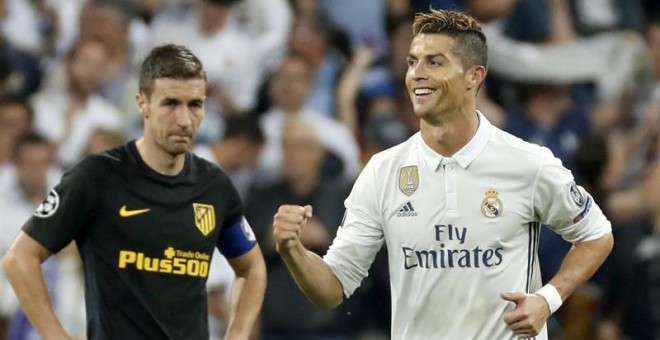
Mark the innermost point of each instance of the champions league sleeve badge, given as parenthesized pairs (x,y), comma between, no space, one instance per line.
(49,206)
(247,230)
(492,206)
(576,195)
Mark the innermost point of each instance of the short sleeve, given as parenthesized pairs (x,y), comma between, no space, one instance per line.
(63,213)
(567,208)
(236,235)
(360,236)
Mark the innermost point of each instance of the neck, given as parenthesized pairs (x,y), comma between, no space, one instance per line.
(77,98)
(450,132)
(656,222)
(158,159)
(291,111)
(303,185)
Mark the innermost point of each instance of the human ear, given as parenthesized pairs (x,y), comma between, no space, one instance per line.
(475,76)
(142,103)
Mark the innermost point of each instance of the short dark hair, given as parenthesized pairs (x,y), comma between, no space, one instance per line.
(169,61)
(469,41)
(19,100)
(245,125)
(30,138)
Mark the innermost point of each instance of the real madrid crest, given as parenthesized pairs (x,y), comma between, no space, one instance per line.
(408,179)
(492,205)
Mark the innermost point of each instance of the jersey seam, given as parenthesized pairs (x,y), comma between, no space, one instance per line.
(534,186)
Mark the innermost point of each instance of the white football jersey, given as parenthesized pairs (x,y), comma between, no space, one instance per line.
(459,230)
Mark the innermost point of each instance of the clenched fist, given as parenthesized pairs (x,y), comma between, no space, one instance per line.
(288,224)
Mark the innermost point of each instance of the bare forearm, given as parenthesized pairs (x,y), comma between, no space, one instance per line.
(247,295)
(562,24)
(246,304)
(314,277)
(349,86)
(581,263)
(26,278)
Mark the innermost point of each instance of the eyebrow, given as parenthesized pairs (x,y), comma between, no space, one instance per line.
(178,100)
(428,56)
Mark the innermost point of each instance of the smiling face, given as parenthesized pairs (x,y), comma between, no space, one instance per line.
(435,78)
(172,113)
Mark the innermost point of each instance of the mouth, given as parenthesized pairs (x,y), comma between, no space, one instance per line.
(181,136)
(422,92)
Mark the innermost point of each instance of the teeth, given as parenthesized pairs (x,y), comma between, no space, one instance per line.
(423,91)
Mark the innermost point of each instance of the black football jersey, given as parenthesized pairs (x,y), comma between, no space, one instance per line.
(145,240)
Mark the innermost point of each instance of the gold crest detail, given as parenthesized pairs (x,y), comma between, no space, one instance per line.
(204,217)
(408,179)
(492,205)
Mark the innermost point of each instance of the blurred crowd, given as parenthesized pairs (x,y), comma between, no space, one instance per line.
(302,93)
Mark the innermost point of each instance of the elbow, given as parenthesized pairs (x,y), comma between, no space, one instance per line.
(332,297)
(608,242)
(328,304)
(9,263)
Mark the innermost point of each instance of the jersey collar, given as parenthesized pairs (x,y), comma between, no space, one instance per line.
(465,155)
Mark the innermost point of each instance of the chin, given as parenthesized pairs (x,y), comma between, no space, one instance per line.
(422,112)
(176,149)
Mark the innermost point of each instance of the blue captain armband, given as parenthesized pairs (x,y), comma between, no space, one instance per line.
(237,239)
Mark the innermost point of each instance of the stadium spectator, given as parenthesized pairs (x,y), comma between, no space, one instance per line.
(290,88)
(67,115)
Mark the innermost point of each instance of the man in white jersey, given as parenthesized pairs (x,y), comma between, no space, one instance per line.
(459,206)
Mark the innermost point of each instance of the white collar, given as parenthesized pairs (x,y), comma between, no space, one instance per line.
(465,155)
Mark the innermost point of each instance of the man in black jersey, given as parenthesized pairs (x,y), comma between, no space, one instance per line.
(146,218)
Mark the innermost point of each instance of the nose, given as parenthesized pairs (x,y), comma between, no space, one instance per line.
(417,71)
(183,117)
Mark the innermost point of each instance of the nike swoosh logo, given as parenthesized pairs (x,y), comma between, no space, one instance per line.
(123,212)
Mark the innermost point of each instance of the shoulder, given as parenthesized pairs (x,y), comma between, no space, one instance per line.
(95,164)
(208,170)
(396,155)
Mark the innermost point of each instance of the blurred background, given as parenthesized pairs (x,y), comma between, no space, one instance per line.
(302,93)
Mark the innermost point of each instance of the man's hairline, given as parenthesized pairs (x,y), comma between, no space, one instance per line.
(148,95)
(452,49)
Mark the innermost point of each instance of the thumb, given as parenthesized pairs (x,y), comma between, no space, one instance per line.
(514,297)
(307,212)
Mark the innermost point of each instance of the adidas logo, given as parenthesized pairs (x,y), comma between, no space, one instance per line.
(406,210)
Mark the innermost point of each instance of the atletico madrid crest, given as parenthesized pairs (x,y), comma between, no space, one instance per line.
(204,217)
